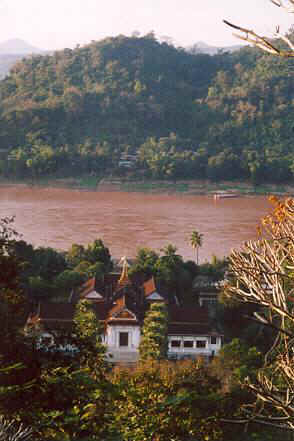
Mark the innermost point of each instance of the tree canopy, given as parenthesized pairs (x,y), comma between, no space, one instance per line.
(179,115)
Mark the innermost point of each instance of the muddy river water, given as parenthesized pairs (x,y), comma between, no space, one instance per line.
(126,221)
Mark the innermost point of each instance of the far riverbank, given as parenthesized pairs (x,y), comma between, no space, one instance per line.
(190,187)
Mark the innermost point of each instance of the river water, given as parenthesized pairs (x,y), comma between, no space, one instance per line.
(126,221)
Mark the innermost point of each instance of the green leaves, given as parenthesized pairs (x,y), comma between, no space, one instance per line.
(166,401)
(159,101)
(154,342)
(88,332)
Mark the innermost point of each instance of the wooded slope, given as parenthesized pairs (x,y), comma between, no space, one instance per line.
(223,116)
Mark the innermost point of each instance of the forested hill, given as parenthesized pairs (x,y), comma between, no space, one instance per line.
(223,116)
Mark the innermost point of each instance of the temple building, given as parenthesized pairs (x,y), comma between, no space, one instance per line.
(120,305)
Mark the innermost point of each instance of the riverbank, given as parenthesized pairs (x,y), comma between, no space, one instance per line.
(197,187)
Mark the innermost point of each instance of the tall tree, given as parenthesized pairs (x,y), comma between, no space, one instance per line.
(12,301)
(170,255)
(88,332)
(154,342)
(196,240)
(9,263)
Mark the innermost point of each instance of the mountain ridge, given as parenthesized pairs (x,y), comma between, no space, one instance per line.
(204,48)
(16,46)
(13,50)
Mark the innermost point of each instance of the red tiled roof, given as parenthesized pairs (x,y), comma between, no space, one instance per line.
(62,314)
(189,321)
(190,329)
(119,304)
(188,314)
(182,321)
(57,325)
(65,311)
(57,311)
(88,286)
(149,287)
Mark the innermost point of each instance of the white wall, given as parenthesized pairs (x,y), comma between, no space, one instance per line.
(119,353)
(209,349)
(130,353)
(112,336)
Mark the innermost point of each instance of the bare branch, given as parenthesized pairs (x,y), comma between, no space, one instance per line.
(263,275)
(281,4)
(284,38)
(257,40)
(262,320)
(262,42)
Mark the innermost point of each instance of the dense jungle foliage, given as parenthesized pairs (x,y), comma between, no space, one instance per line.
(183,115)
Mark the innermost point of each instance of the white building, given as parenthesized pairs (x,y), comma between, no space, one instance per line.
(121,306)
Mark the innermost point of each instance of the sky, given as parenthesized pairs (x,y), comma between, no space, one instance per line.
(56,24)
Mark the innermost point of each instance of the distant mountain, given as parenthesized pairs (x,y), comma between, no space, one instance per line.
(12,51)
(6,63)
(18,47)
(203,48)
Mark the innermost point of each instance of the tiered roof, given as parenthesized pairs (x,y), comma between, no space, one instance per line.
(89,292)
(116,301)
(150,291)
(189,321)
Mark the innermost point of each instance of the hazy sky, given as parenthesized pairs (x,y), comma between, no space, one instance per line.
(55,24)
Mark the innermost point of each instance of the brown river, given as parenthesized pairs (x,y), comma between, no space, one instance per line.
(127,221)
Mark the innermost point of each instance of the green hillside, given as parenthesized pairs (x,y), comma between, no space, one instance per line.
(184,115)
(6,63)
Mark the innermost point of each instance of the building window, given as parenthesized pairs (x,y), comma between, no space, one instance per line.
(124,339)
(188,343)
(175,343)
(213,340)
(201,344)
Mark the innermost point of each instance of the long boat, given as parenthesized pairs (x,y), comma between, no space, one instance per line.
(225,194)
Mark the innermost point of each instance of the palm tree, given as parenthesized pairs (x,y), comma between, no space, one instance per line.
(169,250)
(196,240)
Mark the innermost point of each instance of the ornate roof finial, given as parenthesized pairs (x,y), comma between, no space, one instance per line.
(124,278)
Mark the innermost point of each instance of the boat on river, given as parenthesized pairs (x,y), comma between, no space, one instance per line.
(225,195)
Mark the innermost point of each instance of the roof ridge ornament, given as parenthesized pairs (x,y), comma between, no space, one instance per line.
(124,278)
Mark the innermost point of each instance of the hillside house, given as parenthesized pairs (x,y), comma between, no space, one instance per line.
(127,160)
(207,291)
